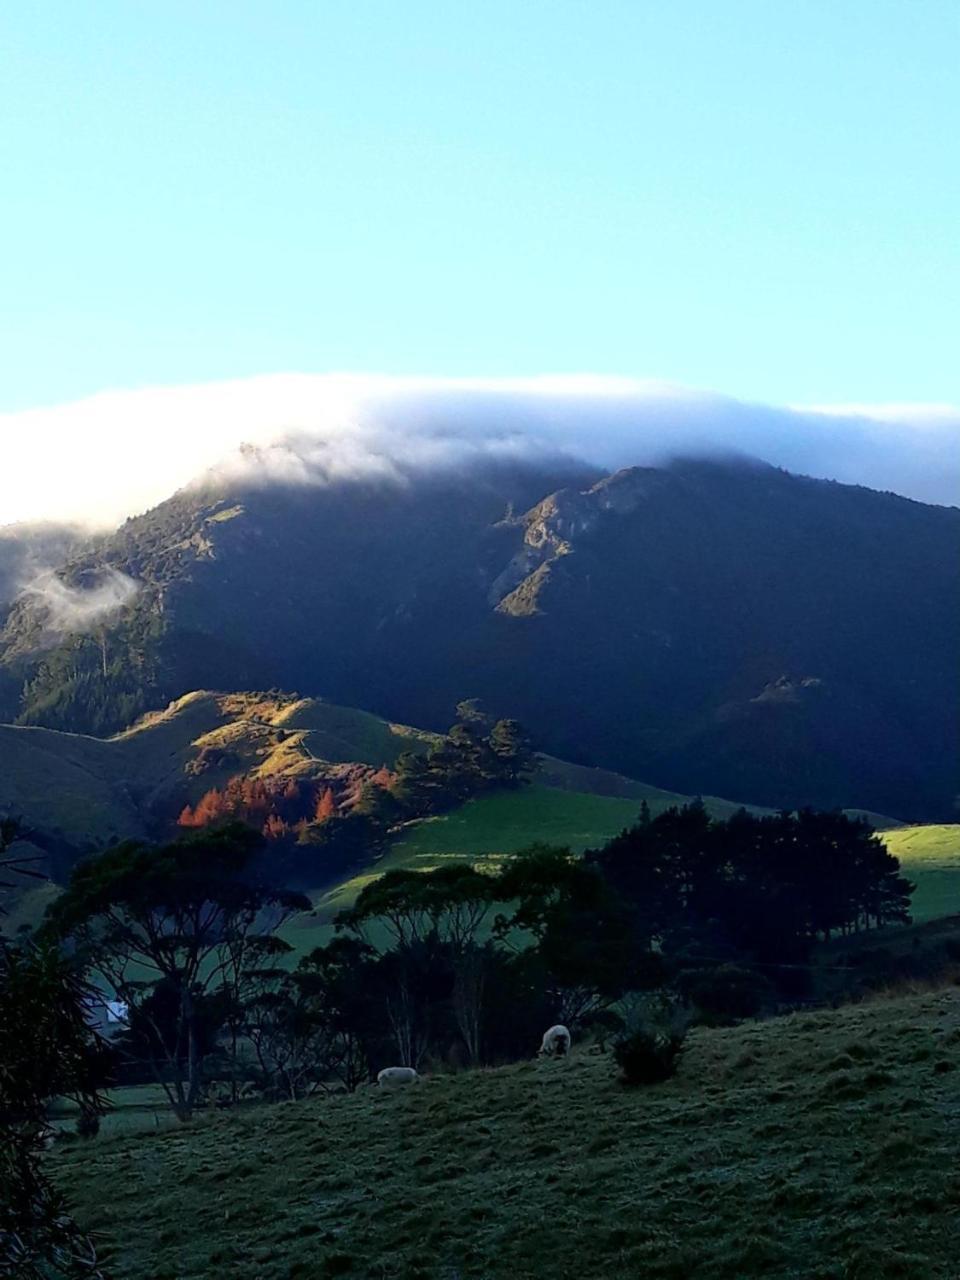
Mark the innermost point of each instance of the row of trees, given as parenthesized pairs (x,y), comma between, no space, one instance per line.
(284,808)
(430,964)
(476,755)
(457,964)
(760,887)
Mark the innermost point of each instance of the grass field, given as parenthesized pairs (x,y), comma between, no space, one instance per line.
(482,830)
(502,823)
(930,857)
(138,1108)
(814,1146)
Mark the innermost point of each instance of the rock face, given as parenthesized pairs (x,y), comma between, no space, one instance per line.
(715,627)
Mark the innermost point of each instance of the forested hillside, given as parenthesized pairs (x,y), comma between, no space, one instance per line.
(708,627)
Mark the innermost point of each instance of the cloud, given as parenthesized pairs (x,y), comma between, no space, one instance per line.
(27,550)
(67,608)
(118,453)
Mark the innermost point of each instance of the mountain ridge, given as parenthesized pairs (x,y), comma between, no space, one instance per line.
(713,626)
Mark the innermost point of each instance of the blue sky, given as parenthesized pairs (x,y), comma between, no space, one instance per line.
(760,197)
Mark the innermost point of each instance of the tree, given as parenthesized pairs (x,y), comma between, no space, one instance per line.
(416,787)
(764,887)
(326,807)
(446,909)
(512,753)
(184,913)
(585,939)
(378,803)
(47,1049)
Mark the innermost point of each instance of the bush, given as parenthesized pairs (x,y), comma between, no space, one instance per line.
(648,1057)
(727,993)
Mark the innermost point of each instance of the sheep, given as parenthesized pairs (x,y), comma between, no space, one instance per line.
(556,1042)
(396,1077)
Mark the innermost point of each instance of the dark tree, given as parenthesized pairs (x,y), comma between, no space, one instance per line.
(47,1050)
(184,915)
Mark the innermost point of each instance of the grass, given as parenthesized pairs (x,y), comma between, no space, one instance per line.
(817,1145)
(492,826)
(91,790)
(132,1109)
(930,856)
(483,830)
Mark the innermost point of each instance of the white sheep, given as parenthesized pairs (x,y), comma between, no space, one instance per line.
(396,1077)
(556,1042)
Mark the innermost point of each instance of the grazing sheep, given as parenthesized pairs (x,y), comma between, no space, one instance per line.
(556,1042)
(396,1077)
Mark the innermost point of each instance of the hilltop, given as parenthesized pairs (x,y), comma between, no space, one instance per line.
(88,791)
(819,1144)
(715,627)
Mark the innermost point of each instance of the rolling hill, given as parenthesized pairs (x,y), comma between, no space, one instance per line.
(80,793)
(820,1144)
(713,627)
(89,791)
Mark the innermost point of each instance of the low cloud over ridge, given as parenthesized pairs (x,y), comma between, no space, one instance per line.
(118,453)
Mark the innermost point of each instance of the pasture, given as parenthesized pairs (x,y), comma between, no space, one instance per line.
(930,857)
(815,1145)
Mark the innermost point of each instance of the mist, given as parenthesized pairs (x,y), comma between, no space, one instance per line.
(118,453)
(65,608)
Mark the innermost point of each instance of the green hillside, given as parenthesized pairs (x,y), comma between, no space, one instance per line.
(89,791)
(817,1145)
(491,826)
(930,856)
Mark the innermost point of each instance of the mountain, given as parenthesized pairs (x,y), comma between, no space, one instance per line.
(712,626)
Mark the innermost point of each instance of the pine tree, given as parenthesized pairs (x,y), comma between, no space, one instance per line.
(512,751)
(326,807)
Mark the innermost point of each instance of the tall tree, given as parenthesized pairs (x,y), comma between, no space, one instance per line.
(182,914)
(47,1049)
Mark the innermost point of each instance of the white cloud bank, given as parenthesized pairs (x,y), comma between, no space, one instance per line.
(118,453)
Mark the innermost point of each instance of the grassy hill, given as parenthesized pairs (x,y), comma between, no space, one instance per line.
(930,856)
(492,826)
(89,791)
(817,1145)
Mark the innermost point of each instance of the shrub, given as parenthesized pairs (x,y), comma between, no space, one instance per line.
(648,1057)
(727,993)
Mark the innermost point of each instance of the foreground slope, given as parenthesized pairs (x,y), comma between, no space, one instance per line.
(821,1144)
(725,628)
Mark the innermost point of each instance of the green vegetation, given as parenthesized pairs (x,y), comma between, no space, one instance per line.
(504,822)
(819,1144)
(930,857)
(87,791)
(483,830)
(47,1050)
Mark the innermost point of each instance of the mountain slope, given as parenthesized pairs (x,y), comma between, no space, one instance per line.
(712,627)
(88,791)
(819,1144)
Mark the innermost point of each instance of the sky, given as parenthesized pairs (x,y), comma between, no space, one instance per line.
(756,198)
(755,202)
